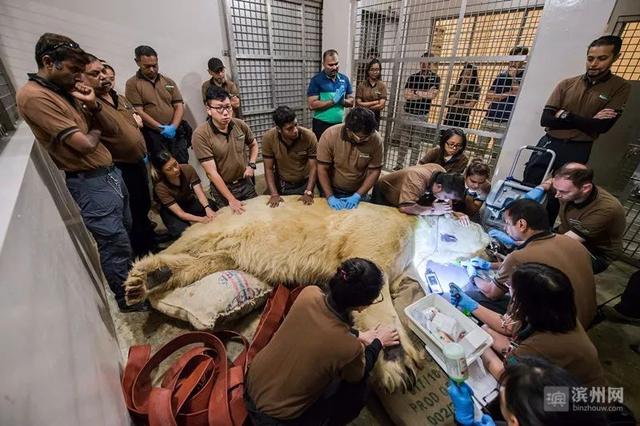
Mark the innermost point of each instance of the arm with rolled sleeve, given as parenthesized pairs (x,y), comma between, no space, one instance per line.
(496,288)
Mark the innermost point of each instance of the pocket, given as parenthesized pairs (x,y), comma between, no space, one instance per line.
(363,161)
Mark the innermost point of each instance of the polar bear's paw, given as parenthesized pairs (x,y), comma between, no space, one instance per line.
(397,368)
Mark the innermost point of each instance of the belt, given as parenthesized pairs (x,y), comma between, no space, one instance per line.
(566,140)
(237,181)
(90,173)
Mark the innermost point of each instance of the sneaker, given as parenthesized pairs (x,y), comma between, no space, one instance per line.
(138,307)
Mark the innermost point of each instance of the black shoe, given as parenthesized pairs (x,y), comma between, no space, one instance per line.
(138,307)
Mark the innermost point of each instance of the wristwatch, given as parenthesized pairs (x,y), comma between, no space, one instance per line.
(564,115)
(309,193)
(252,165)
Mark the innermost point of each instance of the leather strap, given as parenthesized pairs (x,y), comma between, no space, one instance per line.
(201,388)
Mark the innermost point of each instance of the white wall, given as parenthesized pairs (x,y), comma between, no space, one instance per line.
(337,32)
(565,30)
(185,35)
(59,356)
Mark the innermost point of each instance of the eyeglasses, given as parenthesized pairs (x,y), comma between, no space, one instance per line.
(357,138)
(67,44)
(453,145)
(221,109)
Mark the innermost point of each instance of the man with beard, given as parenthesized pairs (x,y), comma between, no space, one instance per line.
(578,111)
(128,150)
(220,144)
(159,102)
(68,121)
(219,79)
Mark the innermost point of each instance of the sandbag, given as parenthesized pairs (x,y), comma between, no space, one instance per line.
(218,297)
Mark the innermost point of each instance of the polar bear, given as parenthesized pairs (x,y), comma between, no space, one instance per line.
(297,244)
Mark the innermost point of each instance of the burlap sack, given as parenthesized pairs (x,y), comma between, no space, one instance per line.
(428,402)
(221,296)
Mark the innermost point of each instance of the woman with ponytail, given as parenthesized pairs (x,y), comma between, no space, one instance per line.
(314,371)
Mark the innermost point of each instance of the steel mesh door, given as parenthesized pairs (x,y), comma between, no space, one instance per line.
(275,50)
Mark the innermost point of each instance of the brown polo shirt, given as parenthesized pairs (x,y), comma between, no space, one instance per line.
(226,149)
(157,98)
(563,253)
(229,86)
(350,161)
(127,146)
(169,194)
(312,348)
(456,164)
(53,118)
(405,187)
(367,93)
(292,161)
(585,98)
(572,351)
(600,221)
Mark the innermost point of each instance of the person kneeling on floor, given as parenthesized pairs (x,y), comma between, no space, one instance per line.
(323,364)
(178,190)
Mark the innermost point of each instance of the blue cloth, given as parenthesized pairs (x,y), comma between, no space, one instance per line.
(325,88)
(104,207)
(501,111)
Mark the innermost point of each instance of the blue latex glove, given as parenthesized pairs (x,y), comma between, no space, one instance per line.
(477,262)
(335,203)
(352,202)
(536,194)
(339,94)
(460,300)
(462,403)
(486,420)
(168,131)
(501,236)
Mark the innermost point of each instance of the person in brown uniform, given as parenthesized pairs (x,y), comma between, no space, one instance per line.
(220,144)
(425,189)
(128,150)
(350,159)
(68,121)
(578,111)
(526,221)
(372,92)
(178,190)
(159,102)
(289,153)
(589,214)
(450,153)
(323,363)
(219,78)
(542,322)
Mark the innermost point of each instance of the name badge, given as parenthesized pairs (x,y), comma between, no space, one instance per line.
(603,97)
(169,87)
(301,152)
(362,155)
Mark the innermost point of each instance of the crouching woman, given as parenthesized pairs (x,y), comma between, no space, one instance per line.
(315,369)
(178,190)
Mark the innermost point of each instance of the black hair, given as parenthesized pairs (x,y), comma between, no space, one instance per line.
(360,120)
(452,183)
(525,382)
(158,160)
(543,298)
(93,58)
(144,51)
(519,50)
(283,115)
(357,282)
(473,82)
(427,54)
(109,67)
(577,175)
(214,64)
(445,136)
(369,65)
(59,48)
(329,52)
(477,167)
(608,40)
(531,211)
(215,93)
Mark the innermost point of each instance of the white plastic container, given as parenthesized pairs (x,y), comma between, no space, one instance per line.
(475,341)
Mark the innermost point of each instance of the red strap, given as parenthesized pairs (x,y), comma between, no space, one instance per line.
(201,388)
